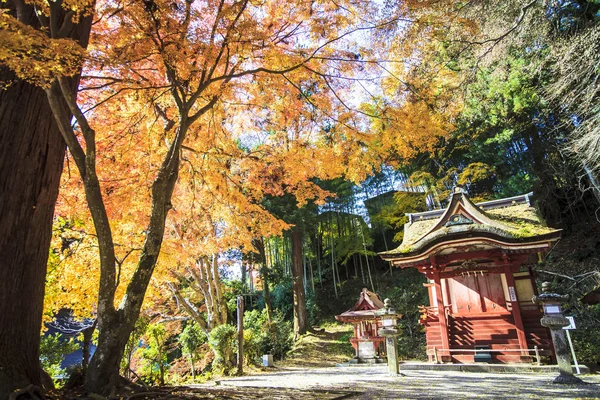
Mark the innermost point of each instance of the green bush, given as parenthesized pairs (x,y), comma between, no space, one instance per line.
(315,314)
(190,339)
(346,337)
(260,337)
(154,355)
(412,348)
(586,338)
(53,349)
(222,341)
(252,347)
(282,299)
(132,345)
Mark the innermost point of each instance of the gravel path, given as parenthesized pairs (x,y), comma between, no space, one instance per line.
(374,382)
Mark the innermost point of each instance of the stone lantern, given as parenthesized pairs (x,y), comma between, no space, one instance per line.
(555,320)
(389,330)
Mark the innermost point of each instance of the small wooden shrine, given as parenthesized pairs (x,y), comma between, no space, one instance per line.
(368,345)
(477,258)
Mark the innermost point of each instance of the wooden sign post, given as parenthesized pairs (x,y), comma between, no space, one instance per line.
(568,328)
(240,326)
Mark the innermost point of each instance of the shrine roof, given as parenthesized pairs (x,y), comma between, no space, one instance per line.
(509,220)
(364,309)
(357,316)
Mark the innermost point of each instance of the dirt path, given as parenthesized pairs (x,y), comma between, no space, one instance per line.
(375,383)
(310,373)
(323,348)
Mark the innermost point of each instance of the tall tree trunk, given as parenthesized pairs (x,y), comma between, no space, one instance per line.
(304,273)
(103,370)
(318,252)
(244,278)
(546,191)
(267,295)
(259,245)
(367,258)
(333,266)
(192,368)
(312,275)
(221,305)
(31,162)
(362,270)
(116,324)
(300,316)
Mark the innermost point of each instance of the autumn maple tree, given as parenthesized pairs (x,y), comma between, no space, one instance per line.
(189,113)
(242,92)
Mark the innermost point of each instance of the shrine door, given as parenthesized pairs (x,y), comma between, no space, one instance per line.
(476,293)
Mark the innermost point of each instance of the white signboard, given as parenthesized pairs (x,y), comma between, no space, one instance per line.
(512,294)
(551,309)
(572,323)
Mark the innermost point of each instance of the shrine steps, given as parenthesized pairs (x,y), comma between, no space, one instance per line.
(535,333)
(498,332)
(494,330)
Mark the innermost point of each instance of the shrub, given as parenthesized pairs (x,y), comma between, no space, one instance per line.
(315,314)
(260,337)
(53,349)
(154,354)
(282,299)
(586,338)
(190,339)
(223,344)
(132,345)
(410,348)
(252,346)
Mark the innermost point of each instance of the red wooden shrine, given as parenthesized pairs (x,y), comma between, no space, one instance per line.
(368,345)
(477,259)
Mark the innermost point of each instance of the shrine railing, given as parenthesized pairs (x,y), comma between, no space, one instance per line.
(428,312)
(536,351)
(366,337)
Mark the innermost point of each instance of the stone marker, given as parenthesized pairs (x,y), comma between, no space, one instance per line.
(267,360)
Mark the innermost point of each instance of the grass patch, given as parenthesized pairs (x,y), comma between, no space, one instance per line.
(325,347)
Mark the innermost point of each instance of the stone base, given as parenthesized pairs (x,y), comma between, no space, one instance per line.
(363,360)
(491,368)
(567,380)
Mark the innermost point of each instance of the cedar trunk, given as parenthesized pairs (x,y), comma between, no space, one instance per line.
(31,162)
(300,316)
(267,294)
(259,244)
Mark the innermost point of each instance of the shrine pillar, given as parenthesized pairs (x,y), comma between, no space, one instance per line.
(443,321)
(516,309)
